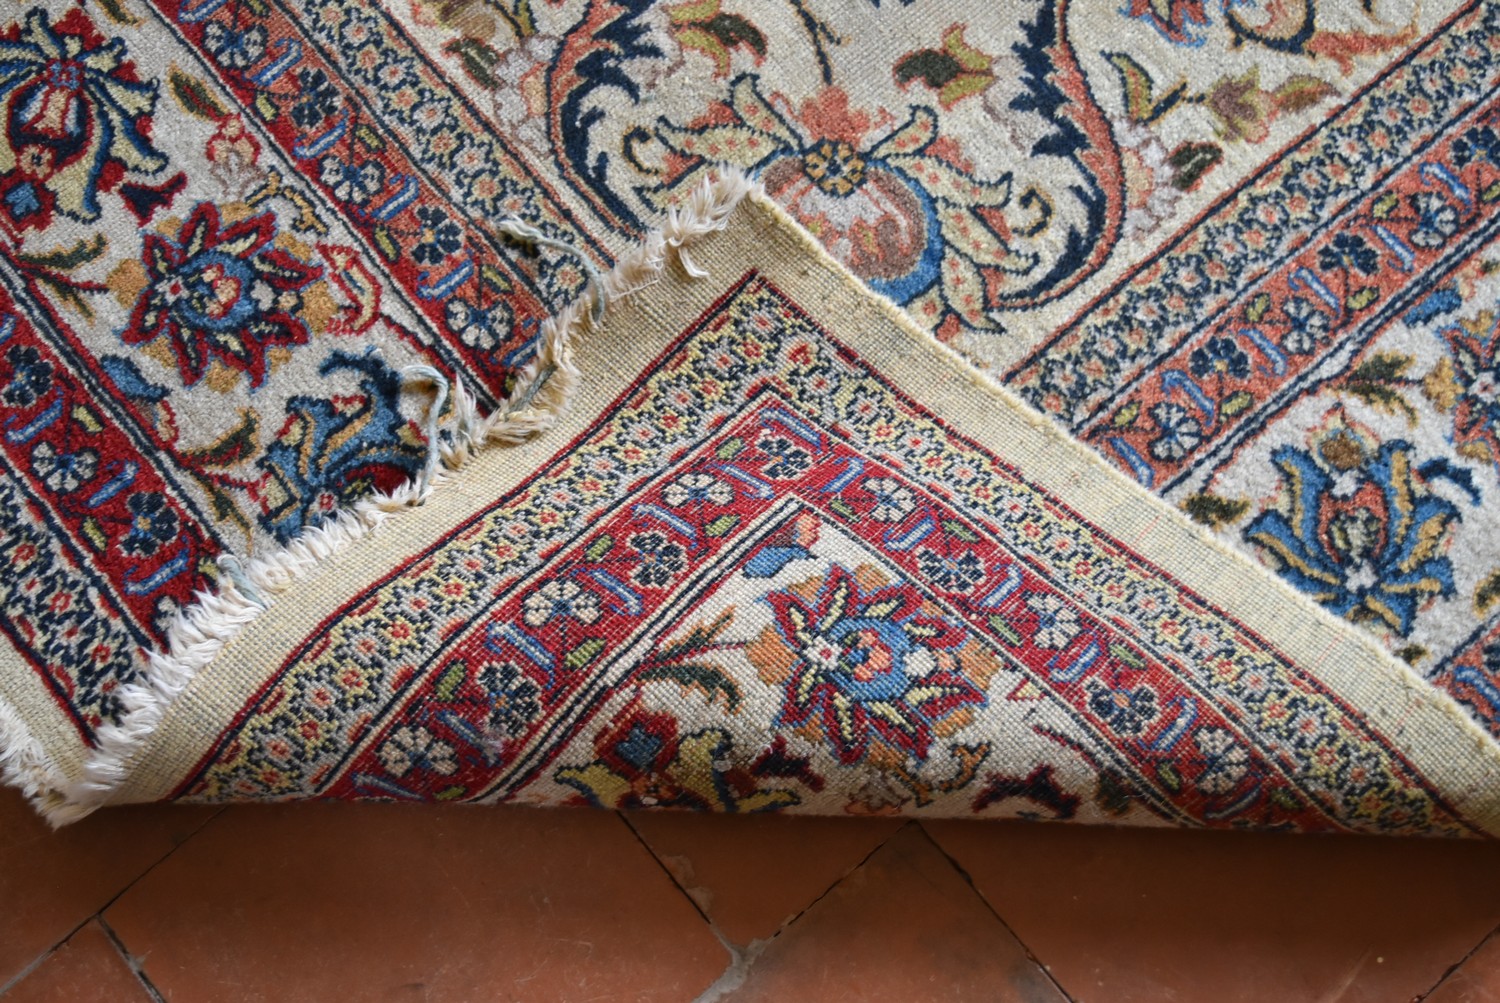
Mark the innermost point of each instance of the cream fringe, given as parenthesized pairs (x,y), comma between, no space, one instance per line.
(544,389)
(24,763)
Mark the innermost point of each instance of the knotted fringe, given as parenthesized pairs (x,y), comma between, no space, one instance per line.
(543,389)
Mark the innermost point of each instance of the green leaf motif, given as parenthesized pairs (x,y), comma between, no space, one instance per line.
(80,253)
(369,137)
(708,679)
(959,531)
(1236,403)
(1379,380)
(1113,793)
(235,446)
(1488,593)
(117,13)
(494,278)
(1383,367)
(717,36)
(722,525)
(1411,654)
(596,550)
(194,96)
(1385,205)
(1285,799)
(448,684)
(1191,161)
(1362,297)
(1005,630)
(478,61)
(956,71)
(385,244)
(1256,308)
(584,653)
(1213,511)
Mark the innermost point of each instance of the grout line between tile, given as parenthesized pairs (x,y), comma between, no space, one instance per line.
(131,962)
(742,958)
(159,861)
(969,880)
(35,963)
(737,958)
(670,876)
(99,913)
(1448,972)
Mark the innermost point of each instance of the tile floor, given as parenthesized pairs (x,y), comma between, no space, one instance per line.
(348,903)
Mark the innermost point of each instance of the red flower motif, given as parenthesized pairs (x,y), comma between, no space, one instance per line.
(221,293)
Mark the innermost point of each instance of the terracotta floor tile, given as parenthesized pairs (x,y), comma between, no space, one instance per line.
(1121,915)
(752,873)
(50,882)
(1477,979)
(905,926)
(327,902)
(87,969)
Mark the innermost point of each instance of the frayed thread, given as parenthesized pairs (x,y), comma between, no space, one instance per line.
(544,388)
(25,764)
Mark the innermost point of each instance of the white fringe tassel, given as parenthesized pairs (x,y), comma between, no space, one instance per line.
(544,388)
(24,763)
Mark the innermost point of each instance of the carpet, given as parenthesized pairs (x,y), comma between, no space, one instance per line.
(272,272)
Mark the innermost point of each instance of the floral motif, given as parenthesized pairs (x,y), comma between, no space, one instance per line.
(412,747)
(328,453)
(235,48)
(30,376)
(643,761)
(790,460)
(1127,710)
(893,500)
(560,599)
(1437,219)
(1056,621)
(953,573)
(1226,761)
(352,181)
(697,488)
(1307,326)
(514,700)
(1178,432)
(1220,357)
(867,664)
(76,118)
(1479,143)
(153,523)
(221,293)
(861,197)
(661,560)
(440,236)
(484,323)
(63,472)
(1357,529)
(317,99)
(1472,391)
(1349,252)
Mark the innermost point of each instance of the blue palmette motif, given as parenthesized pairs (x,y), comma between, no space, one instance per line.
(332,452)
(1359,533)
